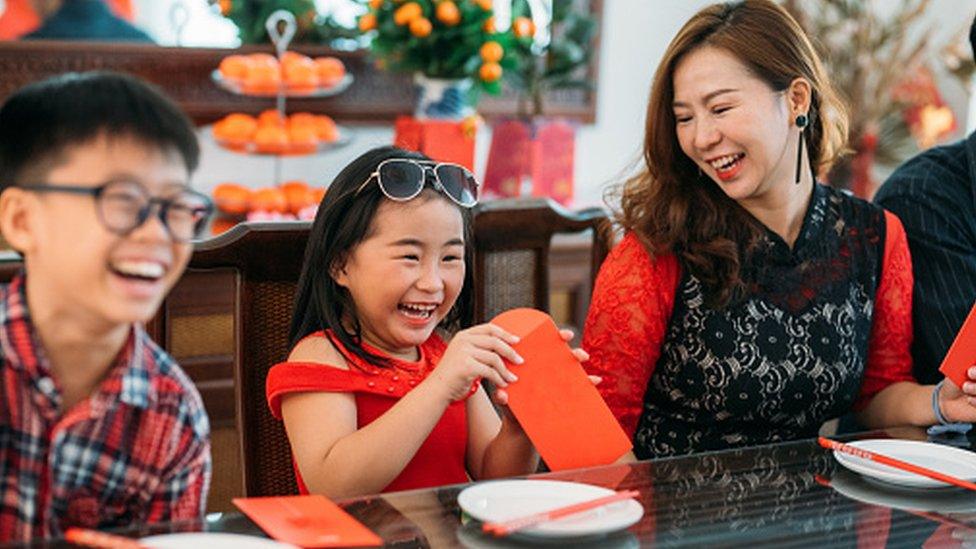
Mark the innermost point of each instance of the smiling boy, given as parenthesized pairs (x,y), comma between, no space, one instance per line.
(98,426)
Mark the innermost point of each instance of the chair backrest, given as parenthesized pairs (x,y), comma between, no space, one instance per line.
(267,260)
(512,241)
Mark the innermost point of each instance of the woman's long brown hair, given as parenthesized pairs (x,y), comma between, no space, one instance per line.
(670,205)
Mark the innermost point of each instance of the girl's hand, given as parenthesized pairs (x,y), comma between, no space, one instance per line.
(959,405)
(475,353)
(501,396)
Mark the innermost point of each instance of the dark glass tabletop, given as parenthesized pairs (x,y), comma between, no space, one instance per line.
(785,495)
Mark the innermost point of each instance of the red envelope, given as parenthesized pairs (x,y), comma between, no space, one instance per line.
(962,353)
(555,402)
(307,521)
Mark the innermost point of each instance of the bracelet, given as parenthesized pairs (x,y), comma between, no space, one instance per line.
(935,405)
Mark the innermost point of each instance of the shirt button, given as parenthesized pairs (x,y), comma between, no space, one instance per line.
(371,384)
(412,383)
(389,389)
(46,384)
(396,378)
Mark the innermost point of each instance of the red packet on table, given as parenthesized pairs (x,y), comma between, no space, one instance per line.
(962,353)
(555,402)
(307,521)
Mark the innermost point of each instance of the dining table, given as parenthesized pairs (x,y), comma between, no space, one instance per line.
(786,494)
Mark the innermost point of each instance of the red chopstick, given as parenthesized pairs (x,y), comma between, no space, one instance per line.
(100,540)
(896,463)
(507,527)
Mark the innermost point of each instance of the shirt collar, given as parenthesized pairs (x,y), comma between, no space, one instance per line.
(128,379)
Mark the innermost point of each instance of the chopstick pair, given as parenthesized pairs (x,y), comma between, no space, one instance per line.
(896,463)
(100,540)
(504,528)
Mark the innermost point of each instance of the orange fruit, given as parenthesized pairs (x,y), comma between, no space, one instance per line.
(262,76)
(448,13)
(234,67)
(492,52)
(318,193)
(231,198)
(236,127)
(326,128)
(367,22)
(271,117)
(407,13)
(221,225)
(269,199)
(271,139)
(292,56)
(331,70)
(225,6)
(263,59)
(421,27)
(523,27)
(298,195)
(376,4)
(490,72)
(301,119)
(300,73)
(489,25)
(302,139)
(484,4)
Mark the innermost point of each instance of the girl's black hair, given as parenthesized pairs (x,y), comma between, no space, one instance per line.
(342,222)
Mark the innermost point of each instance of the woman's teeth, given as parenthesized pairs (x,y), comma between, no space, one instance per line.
(726,162)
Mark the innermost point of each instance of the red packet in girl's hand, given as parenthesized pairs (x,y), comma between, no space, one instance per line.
(962,353)
(555,402)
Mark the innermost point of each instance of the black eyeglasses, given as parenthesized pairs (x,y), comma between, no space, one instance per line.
(402,179)
(123,206)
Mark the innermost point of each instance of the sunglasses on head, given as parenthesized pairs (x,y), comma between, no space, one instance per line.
(402,179)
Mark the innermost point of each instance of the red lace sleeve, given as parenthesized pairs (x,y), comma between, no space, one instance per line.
(889,349)
(625,328)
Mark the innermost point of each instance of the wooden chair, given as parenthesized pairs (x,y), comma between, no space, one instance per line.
(266,259)
(513,239)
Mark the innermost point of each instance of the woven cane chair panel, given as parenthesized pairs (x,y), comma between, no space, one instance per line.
(509,281)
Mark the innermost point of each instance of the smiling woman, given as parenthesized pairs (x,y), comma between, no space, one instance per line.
(748,303)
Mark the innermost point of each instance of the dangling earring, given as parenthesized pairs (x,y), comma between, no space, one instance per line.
(801,122)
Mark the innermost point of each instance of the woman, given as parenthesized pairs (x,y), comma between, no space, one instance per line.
(747,303)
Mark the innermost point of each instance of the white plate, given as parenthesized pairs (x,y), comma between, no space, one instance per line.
(508,499)
(212,540)
(939,457)
(958,501)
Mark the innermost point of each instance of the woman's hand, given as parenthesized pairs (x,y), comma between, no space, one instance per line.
(472,354)
(959,405)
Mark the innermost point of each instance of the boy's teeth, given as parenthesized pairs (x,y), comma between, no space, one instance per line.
(144,269)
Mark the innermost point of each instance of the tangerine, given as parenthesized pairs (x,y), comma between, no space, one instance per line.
(331,70)
(298,195)
(523,27)
(234,67)
(326,128)
(269,199)
(301,73)
(262,77)
(421,27)
(236,127)
(232,199)
(271,139)
(367,22)
(271,117)
(490,72)
(302,139)
(448,13)
(484,4)
(492,52)
(407,13)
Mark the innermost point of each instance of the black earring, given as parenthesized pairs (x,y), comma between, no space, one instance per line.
(801,122)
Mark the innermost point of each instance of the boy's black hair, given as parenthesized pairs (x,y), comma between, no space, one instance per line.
(972,37)
(41,120)
(342,222)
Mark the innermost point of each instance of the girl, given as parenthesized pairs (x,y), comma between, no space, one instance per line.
(372,397)
(749,304)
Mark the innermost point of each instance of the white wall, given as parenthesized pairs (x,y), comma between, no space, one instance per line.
(633,38)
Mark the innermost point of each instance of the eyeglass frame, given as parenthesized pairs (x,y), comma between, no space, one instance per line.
(162,205)
(424,165)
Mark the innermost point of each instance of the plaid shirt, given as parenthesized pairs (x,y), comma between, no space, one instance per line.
(137,450)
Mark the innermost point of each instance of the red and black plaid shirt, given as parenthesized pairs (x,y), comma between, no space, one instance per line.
(135,451)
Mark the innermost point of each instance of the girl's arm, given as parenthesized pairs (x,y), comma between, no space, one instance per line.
(496,448)
(334,456)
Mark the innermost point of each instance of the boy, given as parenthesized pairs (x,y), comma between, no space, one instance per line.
(98,426)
